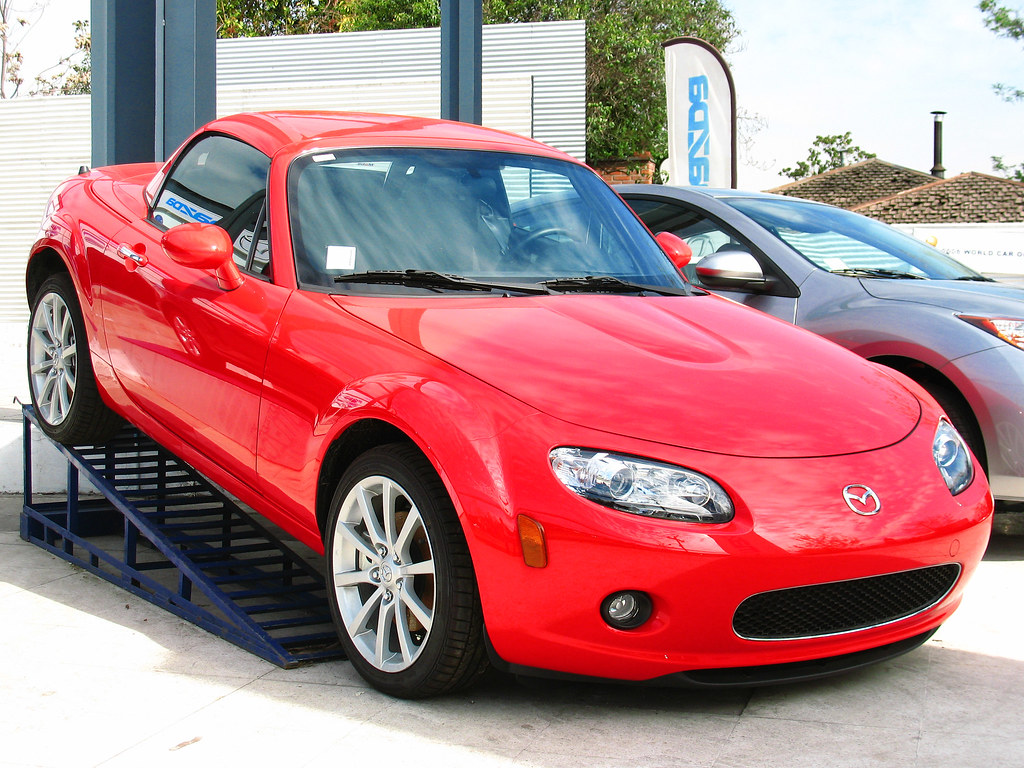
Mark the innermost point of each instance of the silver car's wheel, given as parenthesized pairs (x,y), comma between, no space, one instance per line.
(403,591)
(53,359)
(383,573)
(60,375)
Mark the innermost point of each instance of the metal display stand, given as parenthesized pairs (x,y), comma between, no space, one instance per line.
(165,533)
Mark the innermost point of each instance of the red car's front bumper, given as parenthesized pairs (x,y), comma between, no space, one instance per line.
(792,529)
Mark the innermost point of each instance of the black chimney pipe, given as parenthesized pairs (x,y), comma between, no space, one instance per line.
(937,170)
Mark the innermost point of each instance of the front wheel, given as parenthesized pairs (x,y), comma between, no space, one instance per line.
(63,389)
(403,595)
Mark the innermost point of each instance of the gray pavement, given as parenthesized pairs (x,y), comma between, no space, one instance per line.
(93,676)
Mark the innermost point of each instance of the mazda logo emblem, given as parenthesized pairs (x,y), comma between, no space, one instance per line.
(862,500)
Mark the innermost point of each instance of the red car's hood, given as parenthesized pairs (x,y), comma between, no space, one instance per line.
(697,372)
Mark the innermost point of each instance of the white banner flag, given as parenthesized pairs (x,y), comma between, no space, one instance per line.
(701,115)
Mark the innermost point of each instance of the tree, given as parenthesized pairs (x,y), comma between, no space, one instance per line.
(73,72)
(1005,22)
(10,57)
(827,152)
(626,110)
(1015,172)
(261,18)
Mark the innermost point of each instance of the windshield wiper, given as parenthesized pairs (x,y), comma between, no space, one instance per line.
(872,272)
(976,279)
(438,281)
(607,284)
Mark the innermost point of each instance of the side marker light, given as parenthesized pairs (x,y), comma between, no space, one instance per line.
(531,536)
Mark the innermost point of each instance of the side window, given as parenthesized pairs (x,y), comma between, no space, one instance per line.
(703,234)
(222,181)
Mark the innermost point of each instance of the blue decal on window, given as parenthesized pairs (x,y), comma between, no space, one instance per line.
(193,213)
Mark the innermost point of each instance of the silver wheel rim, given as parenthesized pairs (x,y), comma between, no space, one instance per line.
(383,574)
(53,359)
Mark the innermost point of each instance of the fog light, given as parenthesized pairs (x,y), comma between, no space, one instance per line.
(626,610)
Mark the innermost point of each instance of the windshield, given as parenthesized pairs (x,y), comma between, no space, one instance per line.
(489,217)
(847,243)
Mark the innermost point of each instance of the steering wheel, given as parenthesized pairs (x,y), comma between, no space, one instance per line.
(545,232)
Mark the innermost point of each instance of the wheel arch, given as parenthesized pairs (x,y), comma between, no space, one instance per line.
(346,447)
(945,391)
(43,263)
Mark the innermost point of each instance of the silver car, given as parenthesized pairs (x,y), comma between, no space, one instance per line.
(874,290)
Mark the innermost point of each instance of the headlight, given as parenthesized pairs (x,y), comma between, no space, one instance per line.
(1008,329)
(642,487)
(952,457)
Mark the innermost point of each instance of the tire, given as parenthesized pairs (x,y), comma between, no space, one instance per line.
(403,592)
(64,393)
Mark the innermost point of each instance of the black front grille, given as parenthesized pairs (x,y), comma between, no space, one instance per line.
(842,606)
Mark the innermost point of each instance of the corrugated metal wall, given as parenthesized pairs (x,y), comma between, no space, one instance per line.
(508,102)
(552,54)
(44,140)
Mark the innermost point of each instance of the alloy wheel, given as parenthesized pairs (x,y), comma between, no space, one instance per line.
(53,358)
(384,574)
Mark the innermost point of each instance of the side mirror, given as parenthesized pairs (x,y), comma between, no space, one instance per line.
(204,246)
(731,269)
(675,248)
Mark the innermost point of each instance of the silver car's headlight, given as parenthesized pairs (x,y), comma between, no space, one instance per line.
(642,487)
(952,457)
(1009,329)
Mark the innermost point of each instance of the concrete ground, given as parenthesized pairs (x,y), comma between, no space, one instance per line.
(93,676)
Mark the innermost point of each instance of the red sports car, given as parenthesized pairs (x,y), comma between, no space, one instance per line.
(455,362)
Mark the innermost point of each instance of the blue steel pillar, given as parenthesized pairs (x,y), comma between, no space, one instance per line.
(186,70)
(461,60)
(153,76)
(123,86)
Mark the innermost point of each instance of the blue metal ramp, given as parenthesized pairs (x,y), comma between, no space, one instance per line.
(165,533)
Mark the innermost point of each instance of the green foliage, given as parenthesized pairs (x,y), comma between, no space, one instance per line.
(1005,22)
(391,14)
(826,153)
(1002,20)
(260,18)
(1015,172)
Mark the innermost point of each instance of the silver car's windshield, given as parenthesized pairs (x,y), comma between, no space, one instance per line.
(406,219)
(847,243)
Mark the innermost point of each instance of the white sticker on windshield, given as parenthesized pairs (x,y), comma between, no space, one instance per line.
(341,257)
(323,158)
(834,263)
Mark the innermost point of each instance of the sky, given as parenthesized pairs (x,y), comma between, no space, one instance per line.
(47,37)
(805,68)
(876,68)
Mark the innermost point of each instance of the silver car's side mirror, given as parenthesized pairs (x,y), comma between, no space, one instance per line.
(730,269)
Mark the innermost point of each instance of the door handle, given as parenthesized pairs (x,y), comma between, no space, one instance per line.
(132,260)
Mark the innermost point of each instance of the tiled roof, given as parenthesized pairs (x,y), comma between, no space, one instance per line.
(854,185)
(970,198)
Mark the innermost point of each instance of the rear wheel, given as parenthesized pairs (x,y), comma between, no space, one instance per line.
(404,595)
(60,375)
